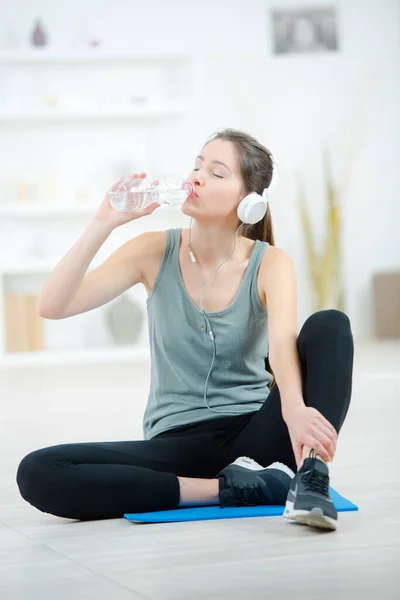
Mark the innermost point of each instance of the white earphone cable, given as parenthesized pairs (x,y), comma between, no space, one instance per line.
(210,332)
(266,195)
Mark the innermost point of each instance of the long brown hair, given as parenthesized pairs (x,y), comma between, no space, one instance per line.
(256,168)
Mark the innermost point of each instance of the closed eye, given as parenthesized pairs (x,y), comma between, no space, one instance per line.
(215,175)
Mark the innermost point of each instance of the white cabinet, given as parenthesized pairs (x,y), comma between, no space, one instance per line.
(70,125)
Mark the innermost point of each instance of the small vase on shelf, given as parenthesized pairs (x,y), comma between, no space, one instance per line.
(38,38)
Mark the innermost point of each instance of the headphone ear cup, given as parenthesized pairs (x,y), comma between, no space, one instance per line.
(252,209)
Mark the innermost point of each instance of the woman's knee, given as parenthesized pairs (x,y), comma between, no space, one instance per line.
(32,470)
(328,320)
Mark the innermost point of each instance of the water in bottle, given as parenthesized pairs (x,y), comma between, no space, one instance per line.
(138,193)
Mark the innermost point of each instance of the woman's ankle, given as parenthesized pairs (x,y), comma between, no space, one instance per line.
(306,452)
(198,492)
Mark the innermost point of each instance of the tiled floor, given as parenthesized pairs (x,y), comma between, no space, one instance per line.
(44,557)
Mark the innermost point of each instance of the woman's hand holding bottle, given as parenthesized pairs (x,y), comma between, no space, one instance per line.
(114,218)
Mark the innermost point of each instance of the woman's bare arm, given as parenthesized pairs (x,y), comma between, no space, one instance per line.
(71,291)
(281,292)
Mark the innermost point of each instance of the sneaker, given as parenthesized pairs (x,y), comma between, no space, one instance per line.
(308,500)
(246,483)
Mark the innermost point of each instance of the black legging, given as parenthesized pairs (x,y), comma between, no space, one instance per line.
(104,480)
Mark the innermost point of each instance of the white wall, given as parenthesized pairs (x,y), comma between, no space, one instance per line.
(294,104)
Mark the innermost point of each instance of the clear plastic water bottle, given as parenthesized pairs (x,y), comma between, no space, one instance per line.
(139,193)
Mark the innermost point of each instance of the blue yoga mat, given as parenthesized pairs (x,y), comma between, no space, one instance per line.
(207,513)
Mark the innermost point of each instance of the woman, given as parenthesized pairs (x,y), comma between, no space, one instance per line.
(213,331)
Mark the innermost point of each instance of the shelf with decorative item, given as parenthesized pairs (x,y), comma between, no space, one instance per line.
(25,210)
(34,267)
(79,356)
(145,112)
(45,56)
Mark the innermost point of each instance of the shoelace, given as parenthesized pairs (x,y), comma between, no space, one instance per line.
(313,480)
(248,495)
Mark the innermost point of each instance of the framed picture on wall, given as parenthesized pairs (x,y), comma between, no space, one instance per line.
(304,30)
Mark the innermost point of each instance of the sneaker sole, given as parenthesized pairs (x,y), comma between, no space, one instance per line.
(252,465)
(314,518)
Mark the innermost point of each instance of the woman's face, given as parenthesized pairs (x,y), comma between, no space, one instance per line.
(217,182)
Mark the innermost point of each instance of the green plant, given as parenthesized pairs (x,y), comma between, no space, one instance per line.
(325,266)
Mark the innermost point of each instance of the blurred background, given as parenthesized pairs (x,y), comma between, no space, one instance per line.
(92,89)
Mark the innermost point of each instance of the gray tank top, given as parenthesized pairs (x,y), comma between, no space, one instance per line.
(181,350)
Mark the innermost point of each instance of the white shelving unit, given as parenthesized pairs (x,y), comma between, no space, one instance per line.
(147,112)
(31,210)
(113,355)
(47,56)
(172,70)
(35,267)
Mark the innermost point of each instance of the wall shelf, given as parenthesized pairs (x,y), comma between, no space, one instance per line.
(35,267)
(46,210)
(50,57)
(148,112)
(79,356)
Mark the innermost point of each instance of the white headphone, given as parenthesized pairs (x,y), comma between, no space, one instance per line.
(253,207)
